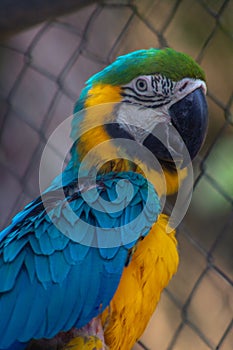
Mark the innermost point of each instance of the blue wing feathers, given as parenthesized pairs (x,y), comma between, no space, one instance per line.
(69,309)
(70,253)
(41,268)
(56,298)
(36,314)
(19,312)
(12,250)
(59,267)
(48,281)
(108,253)
(45,243)
(29,262)
(9,272)
(34,244)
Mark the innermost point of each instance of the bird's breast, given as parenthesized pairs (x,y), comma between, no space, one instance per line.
(153,264)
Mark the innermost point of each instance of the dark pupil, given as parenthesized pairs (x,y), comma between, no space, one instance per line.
(141,84)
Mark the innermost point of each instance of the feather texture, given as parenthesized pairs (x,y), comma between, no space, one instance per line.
(51,283)
(152,265)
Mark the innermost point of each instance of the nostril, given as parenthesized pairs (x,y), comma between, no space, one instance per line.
(183,86)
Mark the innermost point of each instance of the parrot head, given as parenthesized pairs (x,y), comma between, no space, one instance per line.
(155,89)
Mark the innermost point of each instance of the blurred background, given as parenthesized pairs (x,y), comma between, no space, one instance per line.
(47,52)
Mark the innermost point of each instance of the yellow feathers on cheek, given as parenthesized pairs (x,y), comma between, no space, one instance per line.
(103,94)
(105,97)
(96,139)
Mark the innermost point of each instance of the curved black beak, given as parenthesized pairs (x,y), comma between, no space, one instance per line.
(185,134)
(190,118)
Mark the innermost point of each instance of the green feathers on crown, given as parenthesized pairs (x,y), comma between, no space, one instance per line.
(168,62)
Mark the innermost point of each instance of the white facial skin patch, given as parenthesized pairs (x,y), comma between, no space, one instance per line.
(147,100)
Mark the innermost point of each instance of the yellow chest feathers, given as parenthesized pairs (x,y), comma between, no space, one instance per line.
(153,264)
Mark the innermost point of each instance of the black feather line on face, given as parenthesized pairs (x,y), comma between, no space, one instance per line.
(158,93)
(153,106)
(150,96)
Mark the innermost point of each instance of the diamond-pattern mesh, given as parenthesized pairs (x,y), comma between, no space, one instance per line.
(42,72)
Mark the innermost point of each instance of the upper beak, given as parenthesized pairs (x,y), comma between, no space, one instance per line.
(183,137)
(190,118)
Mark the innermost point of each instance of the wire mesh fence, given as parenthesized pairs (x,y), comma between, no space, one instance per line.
(43,70)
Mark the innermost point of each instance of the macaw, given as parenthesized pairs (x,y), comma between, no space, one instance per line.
(61,285)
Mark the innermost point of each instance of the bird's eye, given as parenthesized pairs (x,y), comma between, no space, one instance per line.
(141,85)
